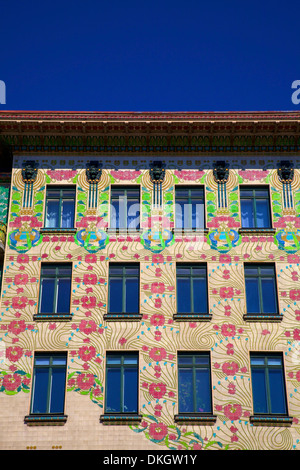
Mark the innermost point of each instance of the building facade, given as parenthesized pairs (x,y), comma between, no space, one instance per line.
(150,281)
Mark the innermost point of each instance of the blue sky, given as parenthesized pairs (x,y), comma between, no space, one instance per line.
(156,55)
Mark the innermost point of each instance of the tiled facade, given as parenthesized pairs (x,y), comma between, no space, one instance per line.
(228,333)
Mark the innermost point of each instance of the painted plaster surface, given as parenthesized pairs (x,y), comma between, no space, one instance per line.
(227,336)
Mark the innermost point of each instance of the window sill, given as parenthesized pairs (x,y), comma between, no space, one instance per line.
(204,419)
(269,420)
(276,317)
(58,230)
(52,317)
(192,316)
(45,420)
(260,231)
(123,316)
(187,231)
(120,419)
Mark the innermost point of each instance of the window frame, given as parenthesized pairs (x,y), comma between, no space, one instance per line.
(56,276)
(192,315)
(131,315)
(261,315)
(62,197)
(254,198)
(190,198)
(48,416)
(269,417)
(124,188)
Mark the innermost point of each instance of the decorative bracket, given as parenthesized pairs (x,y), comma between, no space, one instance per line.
(29,171)
(157,176)
(285,171)
(93,171)
(221,172)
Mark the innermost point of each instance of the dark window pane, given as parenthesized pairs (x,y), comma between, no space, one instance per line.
(247,213)
(132,295)
(277,391)
(252,296)
(116,295)
(203,391)
(63,296)
(47,296)
(262,214)
(186,391)
(269,296)
(67,214)
(200,296)
(184,295)
(40,390)
(52,214)
(130,390)
(58,390)
(113,390)
(259,391)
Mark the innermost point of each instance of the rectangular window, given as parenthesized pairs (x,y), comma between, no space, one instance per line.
(121,383)
(255,207)
(194,383)
(60,207)
(268,384)
(261,290)
(125,208)
(189,208)
(49,383)
(192,295)
(55,289)
(123,289)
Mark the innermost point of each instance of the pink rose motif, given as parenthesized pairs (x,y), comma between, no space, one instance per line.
(87,326)
(88,302)
(228,330)
(230,368)
(233,411)
(21,279)
(157,258)
(157,390)
(16,327)
(12,382)
(125,174)
(14,353)
(157,303)
(86,353)
(225,259)
(157,319)
(158,354)
(90,278)
(157,288)
(22,258)
(158,431)
(90,258)
(295,294)
(293,259)
(296,334)
(19,302)
(253,175)
(226,292)
(189,175)
(85,381)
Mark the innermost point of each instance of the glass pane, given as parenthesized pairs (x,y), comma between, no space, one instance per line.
(203,399)
(40,396)
(42,360)
(185,359)
(116,295)
(185,391)
(202,360)
(247,213)
(184,296)
(59,360)
(117,269)
(113,359)
(114,214)
(53,193)
(57,399)
(64,270)
(113,389)
(130,390)
(48,270)
(179,214)
(252,296)
(47,296)
(63,296)
(198,216)
(132,295)
(277,391)
(269,296)
(262,214)
(262,192)
(257,360)
(52,215)
(274,361)
(267,270)
(246,192)
(251,270)
(182,193)
(200,296)
(130,359)
(67,216)
(185,271)
(259,391)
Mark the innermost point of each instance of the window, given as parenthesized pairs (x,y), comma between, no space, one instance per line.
(268,384)
(55,290)
(125,208)
(189,207)
(60,207)
(49,383)
(261,291)
(192,289)
(255,207)
(123,290)
(194,383)
(121,383)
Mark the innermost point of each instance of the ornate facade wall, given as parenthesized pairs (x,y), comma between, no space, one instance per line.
(157,336)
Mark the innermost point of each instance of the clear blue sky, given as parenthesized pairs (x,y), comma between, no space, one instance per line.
(149,55)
